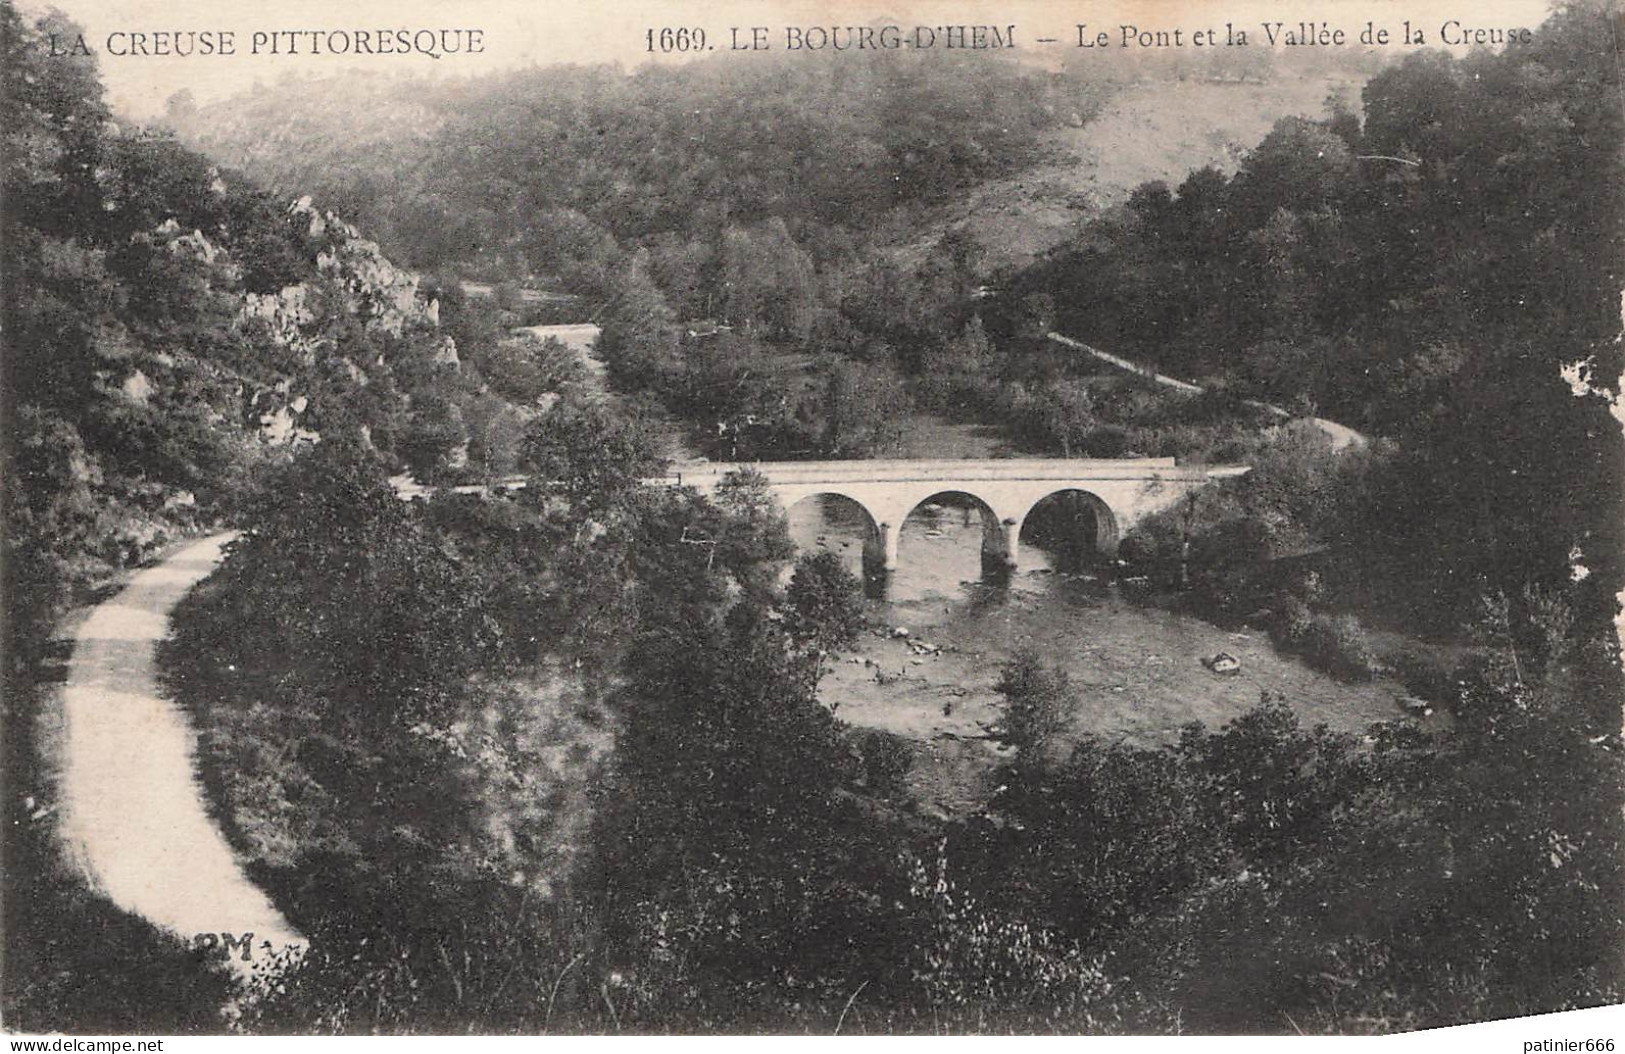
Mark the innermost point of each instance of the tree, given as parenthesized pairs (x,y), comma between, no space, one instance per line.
(971,351)
(345,601)
(1039,705)
(436,438)
(825,603)
(720,836)
(1299,166)
(180,107)
(590,454)
(1068,413)
(864,409)
(1035,316)
(639,336)
(54,119)
(768,280)
(753,538)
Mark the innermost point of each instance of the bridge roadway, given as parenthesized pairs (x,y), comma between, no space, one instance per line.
(1119,492)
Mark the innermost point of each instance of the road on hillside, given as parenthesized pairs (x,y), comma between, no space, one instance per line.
(133,813)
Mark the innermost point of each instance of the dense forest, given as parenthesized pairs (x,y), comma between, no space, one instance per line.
(554,759)
(808,209)
(560,171)
(762,197)
(556,172)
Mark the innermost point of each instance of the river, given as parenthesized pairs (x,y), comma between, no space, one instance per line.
(1135,666)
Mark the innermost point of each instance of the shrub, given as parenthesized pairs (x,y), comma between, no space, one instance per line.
(979,969)
(1275,786)
(508,297)
(1292,622)
(825,602)
(1227,565)
(863,410)
(1307,585)
(1038,704)
(522,371)
(1426,675)
(956,392)
(1173,440)
(887,761)
(1485,686)
(1152,548)
(1338,645)
(1106,441)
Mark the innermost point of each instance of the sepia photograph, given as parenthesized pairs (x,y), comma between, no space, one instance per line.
(811,517)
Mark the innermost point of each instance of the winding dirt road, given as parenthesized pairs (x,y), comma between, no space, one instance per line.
(133,814)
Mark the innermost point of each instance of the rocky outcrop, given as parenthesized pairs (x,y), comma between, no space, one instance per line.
(354,278)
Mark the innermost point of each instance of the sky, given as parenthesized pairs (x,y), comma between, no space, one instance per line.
(518,33)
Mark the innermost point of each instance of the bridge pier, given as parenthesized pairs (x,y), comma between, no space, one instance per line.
(889,533)
(880,548)
(1011,528)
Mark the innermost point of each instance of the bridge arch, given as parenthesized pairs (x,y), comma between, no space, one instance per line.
(1074,523)
(997,550)
(845,511)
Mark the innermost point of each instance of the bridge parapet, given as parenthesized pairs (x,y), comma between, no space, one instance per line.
(705,472)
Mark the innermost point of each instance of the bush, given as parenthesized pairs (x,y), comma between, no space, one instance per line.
(887,761)
(956,393)
(1485,686)
(522,371)
(1292,622)
(981,970)
(825,603)
(1228,562)
(1338,645)
(1152,548)
(863,410)
(1038,704)
(1106,441)
(1425,674)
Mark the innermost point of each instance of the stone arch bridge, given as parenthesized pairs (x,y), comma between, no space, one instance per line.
(1119,492)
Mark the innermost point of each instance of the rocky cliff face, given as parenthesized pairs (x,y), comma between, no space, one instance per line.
(354,282)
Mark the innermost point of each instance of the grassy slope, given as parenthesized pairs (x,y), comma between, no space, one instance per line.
(1153,130)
